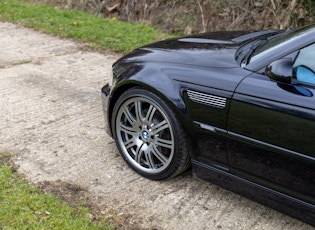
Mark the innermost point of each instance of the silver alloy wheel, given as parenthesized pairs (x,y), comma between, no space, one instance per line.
(145,135)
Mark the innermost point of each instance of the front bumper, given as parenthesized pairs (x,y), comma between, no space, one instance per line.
(105,103)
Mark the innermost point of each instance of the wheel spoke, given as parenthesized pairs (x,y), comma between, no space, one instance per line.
(138,110)
(159,155)
(164,143)
(139,153)
(149,160)
(159,127)
(129,116)
(150,114)
(130,143)
(127,129)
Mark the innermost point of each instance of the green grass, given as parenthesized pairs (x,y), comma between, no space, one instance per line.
(23,206)
(99,32)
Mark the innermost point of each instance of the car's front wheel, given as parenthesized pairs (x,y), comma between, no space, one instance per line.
(148,135)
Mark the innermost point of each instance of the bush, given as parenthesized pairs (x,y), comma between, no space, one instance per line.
(193,16)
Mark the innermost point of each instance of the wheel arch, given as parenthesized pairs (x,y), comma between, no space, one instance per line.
(172,95)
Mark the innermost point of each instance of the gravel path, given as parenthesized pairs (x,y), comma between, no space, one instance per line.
(51,121)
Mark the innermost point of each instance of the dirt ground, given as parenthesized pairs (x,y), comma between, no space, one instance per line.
(52,123)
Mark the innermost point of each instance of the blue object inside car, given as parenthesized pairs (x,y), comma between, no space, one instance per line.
(305,74)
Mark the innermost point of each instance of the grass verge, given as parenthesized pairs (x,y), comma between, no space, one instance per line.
(99,32)
(23,206)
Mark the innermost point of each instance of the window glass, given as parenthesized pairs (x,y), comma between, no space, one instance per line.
(304,65)
(281,40)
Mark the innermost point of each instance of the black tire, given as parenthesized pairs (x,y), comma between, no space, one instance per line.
(148,136)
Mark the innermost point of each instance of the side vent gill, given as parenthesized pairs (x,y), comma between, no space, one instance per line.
(207,99)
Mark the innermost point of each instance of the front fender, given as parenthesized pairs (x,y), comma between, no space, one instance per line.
(153,78)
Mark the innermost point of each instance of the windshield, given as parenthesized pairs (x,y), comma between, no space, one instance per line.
(244,53)
(251,42)
(279,41)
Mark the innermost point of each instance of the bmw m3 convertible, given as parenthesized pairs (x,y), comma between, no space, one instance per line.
(238,107)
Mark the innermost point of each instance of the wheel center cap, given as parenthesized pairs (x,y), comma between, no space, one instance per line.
(145,135)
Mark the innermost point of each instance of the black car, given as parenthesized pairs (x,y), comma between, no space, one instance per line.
(238,106)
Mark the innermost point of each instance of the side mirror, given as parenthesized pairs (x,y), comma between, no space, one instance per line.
(280,70)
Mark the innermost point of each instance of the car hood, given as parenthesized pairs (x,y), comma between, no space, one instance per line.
(214,49)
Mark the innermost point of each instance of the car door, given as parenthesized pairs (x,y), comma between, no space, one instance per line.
(271,131)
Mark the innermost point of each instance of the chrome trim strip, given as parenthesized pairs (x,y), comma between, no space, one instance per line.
(268,146)
(207,99)
(211,128)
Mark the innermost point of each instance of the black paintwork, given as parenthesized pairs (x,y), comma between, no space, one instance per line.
(260,144)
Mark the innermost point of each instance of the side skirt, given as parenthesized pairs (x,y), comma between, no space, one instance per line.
(263,195)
